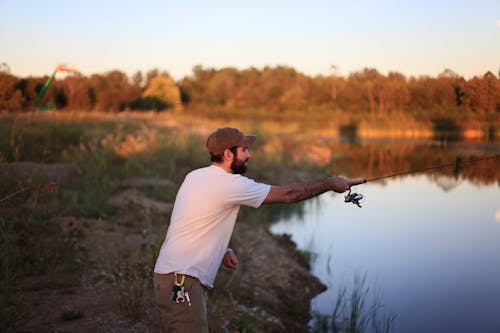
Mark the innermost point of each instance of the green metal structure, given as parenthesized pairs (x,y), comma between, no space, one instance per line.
(47,83)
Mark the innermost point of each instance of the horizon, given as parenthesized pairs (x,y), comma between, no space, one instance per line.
(417,38)
(62,74)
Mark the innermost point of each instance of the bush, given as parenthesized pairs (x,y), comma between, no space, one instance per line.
(149,103)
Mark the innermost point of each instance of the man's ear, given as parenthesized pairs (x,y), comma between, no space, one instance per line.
(228,155)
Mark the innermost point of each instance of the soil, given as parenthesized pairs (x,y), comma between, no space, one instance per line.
(271,291)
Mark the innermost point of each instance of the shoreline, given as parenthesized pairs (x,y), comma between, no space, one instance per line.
(327,125)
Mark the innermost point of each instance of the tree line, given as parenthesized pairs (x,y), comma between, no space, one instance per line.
(273,89)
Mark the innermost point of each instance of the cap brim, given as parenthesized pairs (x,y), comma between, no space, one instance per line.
(248,140)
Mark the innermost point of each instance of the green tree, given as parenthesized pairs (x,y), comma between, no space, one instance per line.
(164,88)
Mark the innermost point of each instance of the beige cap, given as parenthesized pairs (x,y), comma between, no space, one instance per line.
(227,137)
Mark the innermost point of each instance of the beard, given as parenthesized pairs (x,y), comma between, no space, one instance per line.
(238,166)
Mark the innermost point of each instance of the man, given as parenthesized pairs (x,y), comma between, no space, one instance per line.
(202,222)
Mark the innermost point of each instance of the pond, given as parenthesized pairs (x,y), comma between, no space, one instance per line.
(427,244)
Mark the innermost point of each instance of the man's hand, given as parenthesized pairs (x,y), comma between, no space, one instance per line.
(341,184)
(230,260)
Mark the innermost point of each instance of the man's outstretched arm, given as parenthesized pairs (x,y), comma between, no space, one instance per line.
(301,191)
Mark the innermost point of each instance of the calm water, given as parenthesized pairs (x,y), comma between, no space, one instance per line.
(430,245)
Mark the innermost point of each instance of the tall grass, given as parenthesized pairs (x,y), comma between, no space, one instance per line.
(47,139)
(353,314)
(9,297)
(32,242)
(131,269)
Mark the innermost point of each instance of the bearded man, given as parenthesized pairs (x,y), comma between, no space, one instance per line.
(202,223)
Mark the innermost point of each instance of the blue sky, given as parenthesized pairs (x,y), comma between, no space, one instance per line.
(414,37)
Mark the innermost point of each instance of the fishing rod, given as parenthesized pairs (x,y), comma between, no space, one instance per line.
(355,198)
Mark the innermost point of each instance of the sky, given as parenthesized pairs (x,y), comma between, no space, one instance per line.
(316,37)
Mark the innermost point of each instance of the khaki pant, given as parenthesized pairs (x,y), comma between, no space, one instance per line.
(180,317)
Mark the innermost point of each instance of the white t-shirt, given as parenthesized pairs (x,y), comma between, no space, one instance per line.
(202,221)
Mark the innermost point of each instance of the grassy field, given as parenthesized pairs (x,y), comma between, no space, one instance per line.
(85,202)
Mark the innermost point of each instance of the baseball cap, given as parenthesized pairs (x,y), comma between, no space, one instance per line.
(227,137)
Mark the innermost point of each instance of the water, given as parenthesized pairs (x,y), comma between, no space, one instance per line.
(429,244)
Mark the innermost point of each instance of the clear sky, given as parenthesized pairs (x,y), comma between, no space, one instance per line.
(413,37)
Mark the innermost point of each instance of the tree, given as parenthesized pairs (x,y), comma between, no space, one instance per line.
(77,90)
(250,91)
(10,98)
(150,75)
(398,92)
(334,89)
(137,79)
(483,94)
(445,93)
(422,91)
(165,89)
(222,86)
(4,68)
(112,91)
(360,90)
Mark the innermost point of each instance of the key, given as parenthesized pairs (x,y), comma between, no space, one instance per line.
(180,296)
(175,290)
(187,298)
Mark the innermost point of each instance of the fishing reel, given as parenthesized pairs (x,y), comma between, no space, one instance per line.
(355,198)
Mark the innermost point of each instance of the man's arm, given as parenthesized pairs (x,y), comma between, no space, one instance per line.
(301,191)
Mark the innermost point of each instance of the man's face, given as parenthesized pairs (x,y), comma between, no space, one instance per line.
(239,164)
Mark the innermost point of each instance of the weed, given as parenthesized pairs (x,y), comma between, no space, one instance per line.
(9,297)
(94,182)
(131,271)
(351,314)
(31,241)
(244,323)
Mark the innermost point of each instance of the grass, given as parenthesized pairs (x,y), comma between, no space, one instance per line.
(50,139)
(32,243)
(352,313)
(132,278)
(10,299)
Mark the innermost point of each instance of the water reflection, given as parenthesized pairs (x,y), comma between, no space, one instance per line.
(372,158)
(431,242)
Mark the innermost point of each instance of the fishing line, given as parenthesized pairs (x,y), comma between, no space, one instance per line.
(458,163)
(355,198)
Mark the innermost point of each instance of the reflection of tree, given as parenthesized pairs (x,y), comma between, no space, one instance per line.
(371,158)
(387,159)
(446,183)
